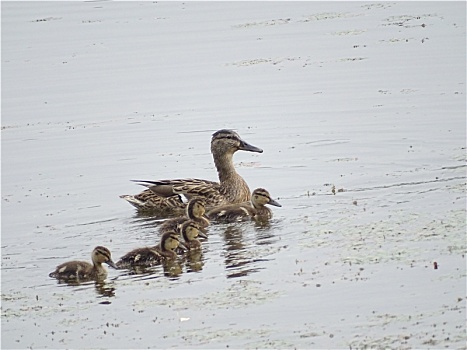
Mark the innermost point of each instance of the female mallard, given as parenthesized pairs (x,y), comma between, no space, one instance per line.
(149,256)
(194,210)
(255,209)
(82,270)
(231,187)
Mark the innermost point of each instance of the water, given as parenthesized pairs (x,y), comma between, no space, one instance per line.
(360,110)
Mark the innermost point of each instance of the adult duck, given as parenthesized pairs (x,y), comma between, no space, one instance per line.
(163,195)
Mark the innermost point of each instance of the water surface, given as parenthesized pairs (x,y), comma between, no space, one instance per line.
(360,110)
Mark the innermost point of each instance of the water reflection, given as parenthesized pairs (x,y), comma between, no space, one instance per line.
(168,268)
(241,250)
(143,219)
(194,261)
(265,233)
(262,223)
(152,219)
(172,269)
(103,287)
(237,259)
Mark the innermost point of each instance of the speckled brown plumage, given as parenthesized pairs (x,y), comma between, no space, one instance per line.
(148,256)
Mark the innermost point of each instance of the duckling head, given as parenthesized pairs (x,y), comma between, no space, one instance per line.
(191,230)
(261,197)
(102,255)
(170,241)
(228,141)
(195,208)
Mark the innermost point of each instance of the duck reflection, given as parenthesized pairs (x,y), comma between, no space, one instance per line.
(101,285)
(172,269)
(237,259)
(194,260)
(104,288)
(168,268)
(264,233)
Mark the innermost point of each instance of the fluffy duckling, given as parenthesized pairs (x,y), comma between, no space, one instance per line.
(255,209)
(231,187)
(82,270)
(190,231)
(194,211)
(149,256)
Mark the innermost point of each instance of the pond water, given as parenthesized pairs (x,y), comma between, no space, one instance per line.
(360,110)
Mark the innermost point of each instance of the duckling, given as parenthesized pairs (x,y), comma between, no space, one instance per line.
(149,256)
(82,270)
(255,209)
(190,231)
(231,187)
(194,211)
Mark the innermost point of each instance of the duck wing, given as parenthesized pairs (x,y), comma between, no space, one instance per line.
(148,200)
(209,190)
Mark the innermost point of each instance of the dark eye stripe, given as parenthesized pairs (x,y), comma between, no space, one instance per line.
(225,134)
(228,137)
(262,194)
(103,251)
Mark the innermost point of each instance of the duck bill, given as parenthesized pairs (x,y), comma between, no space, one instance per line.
(182,245)
(112,264)
(202,234)
(245,146)
(274,203)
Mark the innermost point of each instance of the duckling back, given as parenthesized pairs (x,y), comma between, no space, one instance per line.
(146,256)
(149,256)
(232,213)
(70,270)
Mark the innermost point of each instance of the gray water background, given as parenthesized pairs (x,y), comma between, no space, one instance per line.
(365,98)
